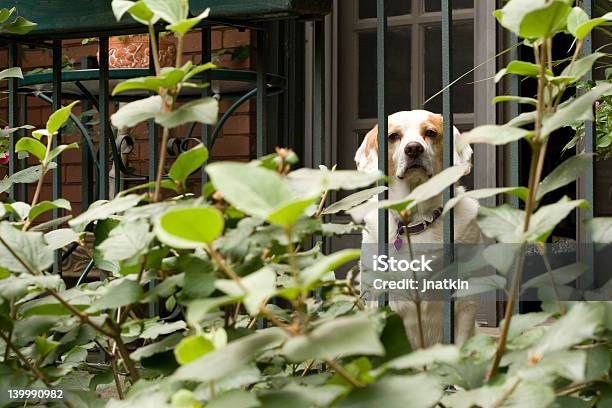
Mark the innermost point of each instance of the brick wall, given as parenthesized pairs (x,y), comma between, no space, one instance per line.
(235,142)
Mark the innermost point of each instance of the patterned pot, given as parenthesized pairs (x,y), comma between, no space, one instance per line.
(133,51)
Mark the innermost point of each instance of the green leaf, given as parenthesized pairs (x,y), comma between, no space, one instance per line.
(191,348)
(312,274)
(562,276)
(5,14)
(45,206)
(182,27)
(235,399)
(582,66)
(169,78)
(29,247)
(203,110)
(523,395)
(162,328)
(547,217)
(138,10)
(520,192)
(520,323)
(438,353)
(19,26)
(259,286)
(61,237)
(522,68)
(44,346)
(231,358)
(601,229)
(341,337)
(104,209)
(199,281)
(172,11)
(252,190)
(579,324)
(120,292)
(580,108)
(17,285)
(14,72)
(565,173)
(188,162)
(199,309)
(60,149)
(126,241)
(32,146)
(353,200)
(482,284)
(289,213)
(575,18)
(514,98)
(189,228)
(297,396)
(58,118)
(166,344)
(492,134)
(503,223)
(136,112)
(309,182)
(585,27)
(534,18)
(415,391)
(423,192)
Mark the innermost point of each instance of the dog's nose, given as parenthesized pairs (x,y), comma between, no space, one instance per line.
(413,150)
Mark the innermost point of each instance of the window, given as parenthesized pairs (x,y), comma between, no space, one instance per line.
(413,69)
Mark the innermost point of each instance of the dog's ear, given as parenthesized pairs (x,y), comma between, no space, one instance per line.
(461,157)
(366,157)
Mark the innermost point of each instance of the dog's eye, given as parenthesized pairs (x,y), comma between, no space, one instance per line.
(431,133)
(393,137)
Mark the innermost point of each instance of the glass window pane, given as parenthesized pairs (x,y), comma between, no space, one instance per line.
(367,8)
(463,61)
(435,5)
(397,71)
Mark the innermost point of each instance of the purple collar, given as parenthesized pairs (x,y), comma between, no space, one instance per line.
(415,228)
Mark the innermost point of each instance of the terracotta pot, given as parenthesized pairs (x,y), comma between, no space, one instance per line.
(133,51)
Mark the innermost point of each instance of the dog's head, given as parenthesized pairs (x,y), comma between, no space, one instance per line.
(415,141)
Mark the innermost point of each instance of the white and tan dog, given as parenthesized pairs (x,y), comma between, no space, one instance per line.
(415,141)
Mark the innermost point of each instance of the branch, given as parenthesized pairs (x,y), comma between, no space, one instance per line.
(30,366)
(43,170)
(344,374)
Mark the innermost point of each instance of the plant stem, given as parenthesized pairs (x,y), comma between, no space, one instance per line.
(116,335)
(24,360)
(417,299)
(168,107)
(538,146)
(43,170)
(552,281)
(225,268)
(116,378)
(153,41)
(321,204)
(123,351)
(507,393)
(344,374)
(503,338)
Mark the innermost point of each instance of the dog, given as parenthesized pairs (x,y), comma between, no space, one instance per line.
(415,146)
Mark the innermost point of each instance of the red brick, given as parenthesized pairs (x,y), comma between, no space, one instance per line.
(231,146)
(225,104)
(238,124)
(71,174)
(235,38)
(72,156)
